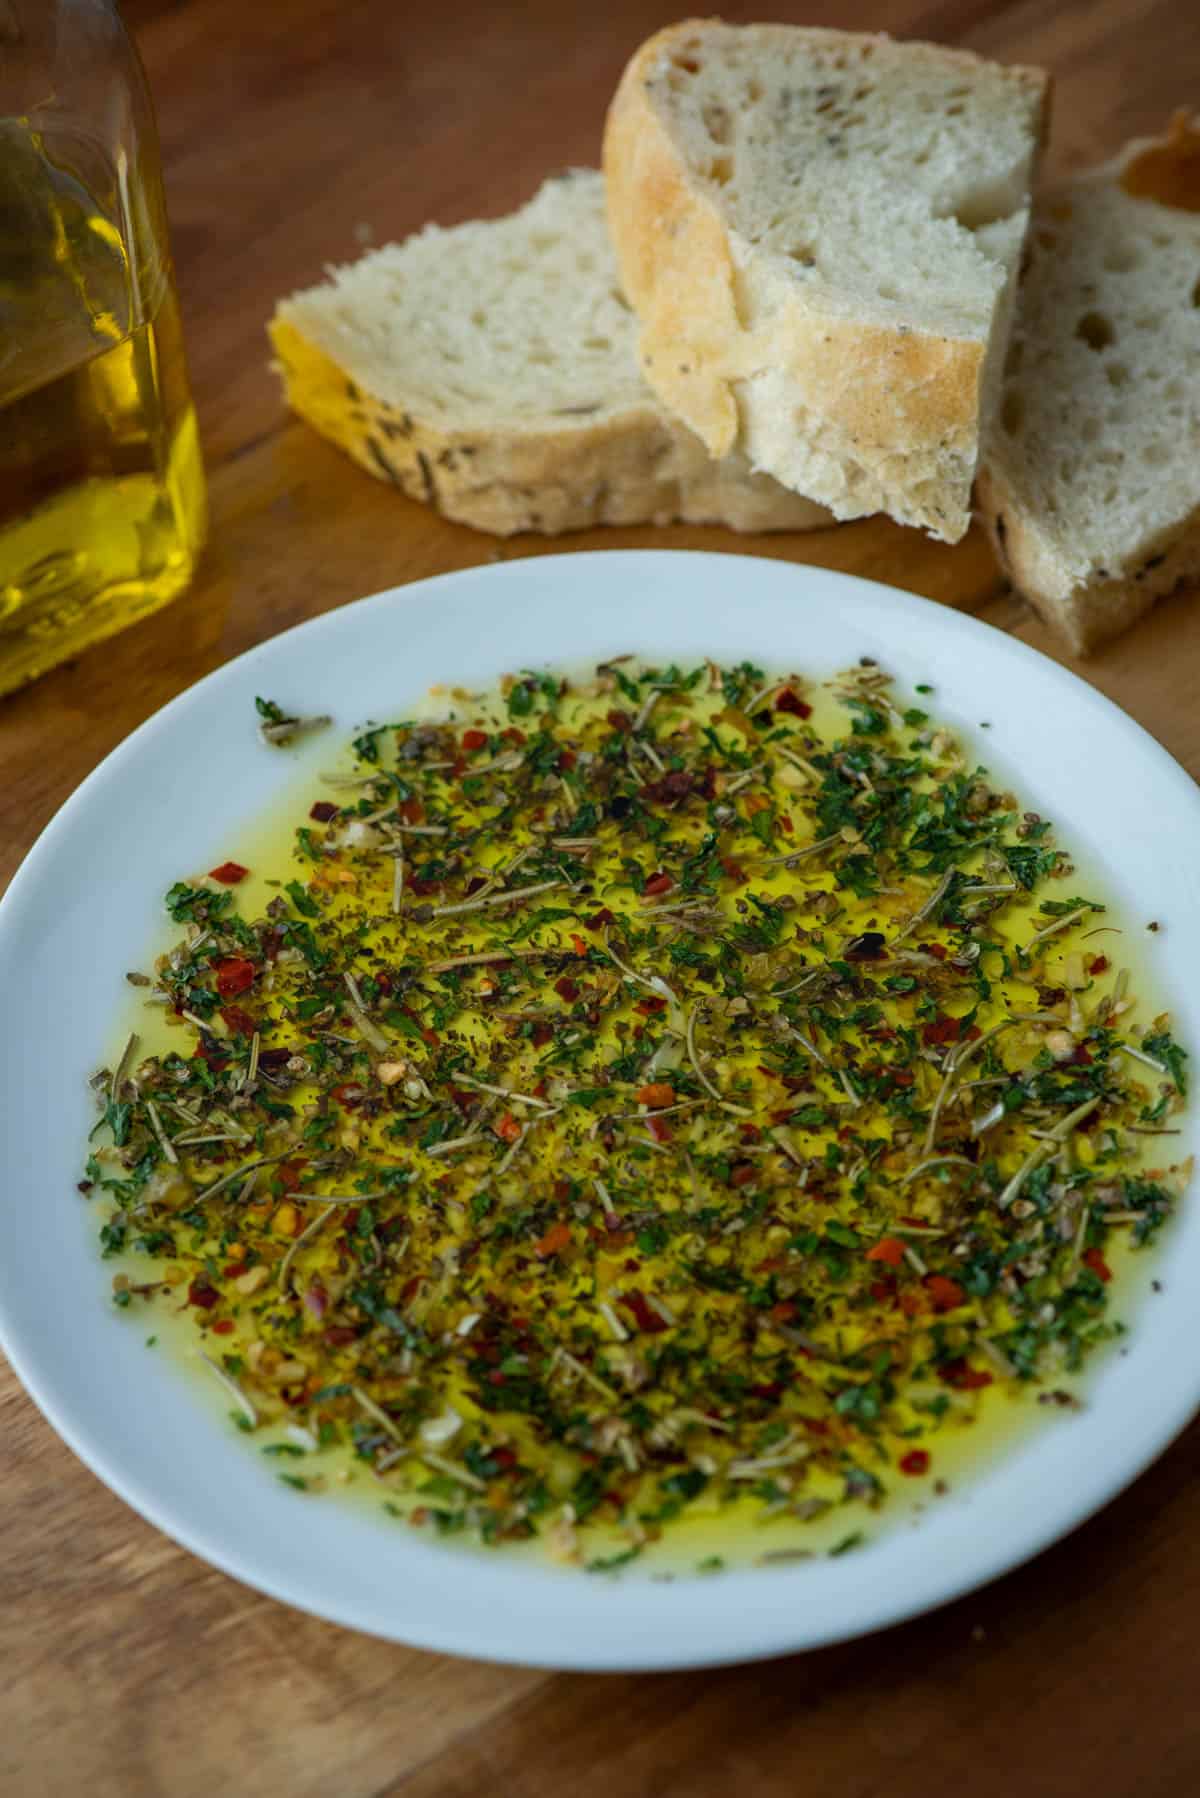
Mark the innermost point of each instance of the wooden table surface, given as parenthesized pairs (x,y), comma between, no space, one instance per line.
(295,131)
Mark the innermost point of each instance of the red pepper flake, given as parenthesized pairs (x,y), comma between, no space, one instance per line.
(787,701)
(658,883)
(659,1129)
(340,1335)
(566,761)
(578,944)
(507,1128)
(741,1173)
(882,1291)
(656,1095)
(889,1249)
(962,1376)
(412,811)
(750,1132)
(650,1006)
(600,919)
(237,1021)
(646,1317)
(349,1094)
(202,1294)
(229,873)
(496,1378)
(912,1303)
(1082,1056)
(474,739)
(783,1312)
(554,1242)
(234,1269)
(786,825)
(940,1030)
(322,811)
(223,1326)
(946,1294)
(1098,964)
(915,1462)
(1095,1260)
(234,975)
(768,1392)
(513,735)
(621,721)
(566,989)
(938,951)
(733,869)
(541,1033)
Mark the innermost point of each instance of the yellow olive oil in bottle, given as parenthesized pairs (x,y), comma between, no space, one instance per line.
(102,499)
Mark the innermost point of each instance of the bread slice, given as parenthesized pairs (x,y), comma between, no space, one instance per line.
(819,233)
(491,370)
(1090,486)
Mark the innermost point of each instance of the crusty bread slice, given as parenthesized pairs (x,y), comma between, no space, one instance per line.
(491,370)
(1090,484)
(819,233)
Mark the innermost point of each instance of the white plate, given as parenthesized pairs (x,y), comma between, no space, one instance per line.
(87,900)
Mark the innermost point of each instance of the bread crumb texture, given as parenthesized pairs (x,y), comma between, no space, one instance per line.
(1091,483)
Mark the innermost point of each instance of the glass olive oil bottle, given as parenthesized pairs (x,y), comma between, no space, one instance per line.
(102,500)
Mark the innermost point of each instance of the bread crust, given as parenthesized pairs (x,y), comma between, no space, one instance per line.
(633,466)
(899,407)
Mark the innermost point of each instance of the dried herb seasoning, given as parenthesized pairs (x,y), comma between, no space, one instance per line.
(638,1096)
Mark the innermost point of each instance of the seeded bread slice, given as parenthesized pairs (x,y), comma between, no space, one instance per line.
(1090,487)
(491,370)
(819,232)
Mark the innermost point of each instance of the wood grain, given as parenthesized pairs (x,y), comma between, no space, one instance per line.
(294,131)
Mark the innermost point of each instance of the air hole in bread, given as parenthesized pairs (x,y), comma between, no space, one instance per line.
(1156,455)
(986,206)
(1046,240)
(1095,330)
(619,297)
(716,122)
(479,319)
(597,343)
(886,291)
(921,158)
(1121,258)
(955,111)
(1117,373)
(754,93)
(1012,412)
(687,64)
(720,170)
(1196,292)
(804,254)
